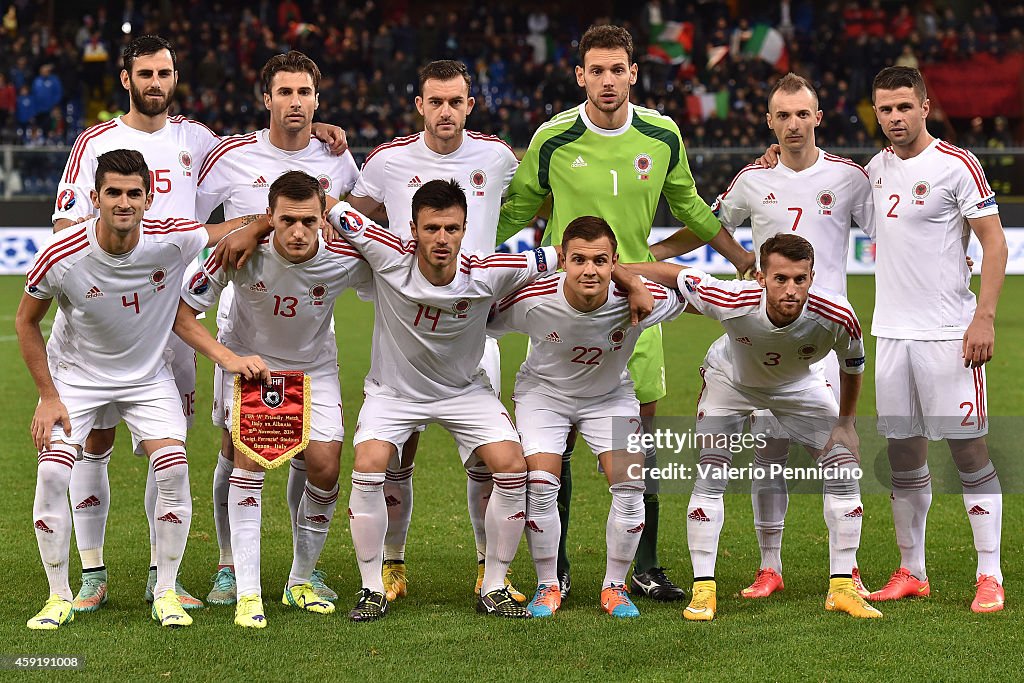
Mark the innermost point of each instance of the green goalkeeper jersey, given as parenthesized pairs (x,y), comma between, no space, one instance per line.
(617,175)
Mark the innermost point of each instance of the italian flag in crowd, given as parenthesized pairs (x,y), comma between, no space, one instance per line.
(705,105)
(768,44)
(671,42)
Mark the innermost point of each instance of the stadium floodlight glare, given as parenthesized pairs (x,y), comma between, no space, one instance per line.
(126,27)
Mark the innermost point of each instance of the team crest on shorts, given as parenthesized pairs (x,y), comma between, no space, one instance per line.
(185,159)
(461,307)
(273,395)
(826,200)
(317,294)
(199,283)
(921,190)
(806,351)
(158,278)
(66,199)
(325,182)
(642,163)
(616,337)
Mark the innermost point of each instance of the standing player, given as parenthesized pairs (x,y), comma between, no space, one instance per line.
(390,177)
(173,147)
(816,195)
(282,313)
(612,159)
(575,376)
(237,174)
(114,278)
(934,337)
(777,329)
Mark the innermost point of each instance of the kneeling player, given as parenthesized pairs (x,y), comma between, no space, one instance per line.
(282,312)
(776,329)
(575,376)
(115,279)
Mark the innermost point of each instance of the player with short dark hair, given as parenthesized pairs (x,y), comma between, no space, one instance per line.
(934,335)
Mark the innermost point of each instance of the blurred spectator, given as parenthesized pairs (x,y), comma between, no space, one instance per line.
(111,111)
(11,21)
(8,101)
(26,107)
(94,64)
(47,92)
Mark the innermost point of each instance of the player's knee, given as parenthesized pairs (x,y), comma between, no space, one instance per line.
(54,470)
(773,451)
(541,492)
(970,455)
(170,466)
(628,498)
(712,473)
(100,440)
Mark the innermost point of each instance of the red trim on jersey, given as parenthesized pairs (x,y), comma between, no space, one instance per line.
(831,315)
(496,261)
(973,166)
(344,248)
(211,265)
(488,138)
(56,252)
(221,149)
(389,239)
(722,303)
(181,118)
(747,289)
(844,160)
(397,142)
(838,309)
(656,290)
(726,299)
(526,293)
(749,167)
(79,149)
(169,225)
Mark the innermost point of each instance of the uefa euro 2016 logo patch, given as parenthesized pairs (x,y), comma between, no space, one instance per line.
(351,222)
(199,283)
(691,282)
(66,199)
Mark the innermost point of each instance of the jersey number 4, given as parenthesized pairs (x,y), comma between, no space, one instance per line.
(134,303)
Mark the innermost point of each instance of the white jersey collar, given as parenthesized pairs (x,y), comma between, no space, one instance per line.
(604,131)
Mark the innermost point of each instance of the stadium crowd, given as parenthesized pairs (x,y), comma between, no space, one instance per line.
(55,78)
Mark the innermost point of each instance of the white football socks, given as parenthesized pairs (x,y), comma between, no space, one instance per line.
(245,515)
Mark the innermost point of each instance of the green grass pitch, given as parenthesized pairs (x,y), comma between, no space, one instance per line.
(434,632)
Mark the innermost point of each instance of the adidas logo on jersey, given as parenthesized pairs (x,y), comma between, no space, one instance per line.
(258,287)
(90,502)
(260,182)
(553,338)
(93,293)
(855,512)
(578,163)
(415,181)
(770,199)
(878,181)
(978,510)
(745,340)
(249,502)
(699,516)
(170,517)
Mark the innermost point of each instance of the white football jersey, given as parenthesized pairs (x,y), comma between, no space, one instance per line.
(816,203)
(483,165)
(174,154)
(239,171)
(755,353)
(922,283)
(572,353)
(119,310)
(428,339)
(282,311)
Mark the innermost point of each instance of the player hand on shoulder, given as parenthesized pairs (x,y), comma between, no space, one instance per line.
(641,301)
(235,248)
(332,136)
(770,158)
(979,342)
(49,412)
(249,367)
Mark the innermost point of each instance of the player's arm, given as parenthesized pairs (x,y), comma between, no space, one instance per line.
(980,337)
(195,334)
(684,240)
(383,250)
(333,136)
(50,410)
(524,196)
(368,206)
(845,430)
(72,204)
